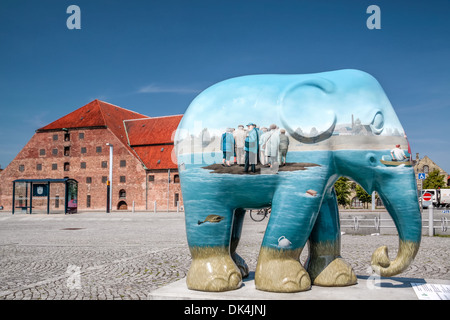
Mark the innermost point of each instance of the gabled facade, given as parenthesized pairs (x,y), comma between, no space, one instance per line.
(75,147)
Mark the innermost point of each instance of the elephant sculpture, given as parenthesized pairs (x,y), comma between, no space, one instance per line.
(338,123)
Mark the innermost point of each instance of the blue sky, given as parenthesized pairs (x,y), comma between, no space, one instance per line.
(154,57)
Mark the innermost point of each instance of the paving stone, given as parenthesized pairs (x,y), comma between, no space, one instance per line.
(125,256)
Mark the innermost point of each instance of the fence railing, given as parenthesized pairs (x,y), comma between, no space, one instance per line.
(377,221)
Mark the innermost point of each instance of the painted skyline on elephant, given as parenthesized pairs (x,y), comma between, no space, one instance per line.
(317,111)
(334,124)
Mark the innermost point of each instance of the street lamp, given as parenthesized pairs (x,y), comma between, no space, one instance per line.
(109,182)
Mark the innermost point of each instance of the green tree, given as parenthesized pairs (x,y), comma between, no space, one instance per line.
(342,187)
(434,180)
(363,196)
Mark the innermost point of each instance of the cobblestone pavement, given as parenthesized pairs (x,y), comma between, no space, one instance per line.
(127,255)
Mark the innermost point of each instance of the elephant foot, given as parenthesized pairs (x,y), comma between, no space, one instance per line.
(337,274)
(212,269)
(281,271)
(241,264)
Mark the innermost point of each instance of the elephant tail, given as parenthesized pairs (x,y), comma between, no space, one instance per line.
(383,266)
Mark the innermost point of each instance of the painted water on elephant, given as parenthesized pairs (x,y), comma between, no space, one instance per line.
(209,193)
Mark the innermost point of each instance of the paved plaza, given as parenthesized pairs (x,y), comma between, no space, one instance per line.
(127,255)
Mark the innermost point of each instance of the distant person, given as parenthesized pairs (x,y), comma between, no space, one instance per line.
(273,145)
(284,145)
(262,146)
(227,147)
(398,154)
(239,138)
(251,148)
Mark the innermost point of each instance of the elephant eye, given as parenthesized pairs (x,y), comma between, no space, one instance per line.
(377,123)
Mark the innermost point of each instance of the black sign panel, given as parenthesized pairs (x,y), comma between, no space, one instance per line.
(40,190)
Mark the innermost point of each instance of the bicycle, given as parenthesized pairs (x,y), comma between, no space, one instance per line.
(259,214)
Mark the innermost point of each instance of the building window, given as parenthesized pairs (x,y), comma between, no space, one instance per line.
(83,165)
(21,168)
(426,169)
(104,164)
(123,163)
(67,137)
(104,179)
(177,198)
(98,149)
(356,203)
(39,167)
(42,152)
(88,201)
(54,166)
(88,179)
(81,135)
(55,137)
(122,193)
(123,179)
(55,152)
(66,166)
(67,151)
(379,202)
(122,205)
(176,179)
(151,178)
(83,149)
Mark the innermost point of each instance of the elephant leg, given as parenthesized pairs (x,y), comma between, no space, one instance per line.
(239,215)
(325,264)
(291,221)
(212,268)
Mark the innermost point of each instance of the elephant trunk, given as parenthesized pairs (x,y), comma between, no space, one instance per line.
(399,195)
(384,267)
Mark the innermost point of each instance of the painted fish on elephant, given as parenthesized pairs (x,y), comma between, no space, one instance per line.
(213,218)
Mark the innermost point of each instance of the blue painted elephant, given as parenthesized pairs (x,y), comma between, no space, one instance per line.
(338,123)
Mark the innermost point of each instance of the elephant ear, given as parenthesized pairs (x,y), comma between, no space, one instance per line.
(306,110)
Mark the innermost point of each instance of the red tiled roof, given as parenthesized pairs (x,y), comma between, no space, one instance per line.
(152,140)
(152,131)
(94,114)
(156,157)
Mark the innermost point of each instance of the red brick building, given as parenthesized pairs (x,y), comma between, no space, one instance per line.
(75,146)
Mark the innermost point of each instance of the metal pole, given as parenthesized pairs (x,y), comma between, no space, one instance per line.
(107,197)
(110,173)
(431,220)
(31,197)
(48,197)
(168,191)
(373,201)
(14,197)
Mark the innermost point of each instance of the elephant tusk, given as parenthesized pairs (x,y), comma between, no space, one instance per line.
(310,140)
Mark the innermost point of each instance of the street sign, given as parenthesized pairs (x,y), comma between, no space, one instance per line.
(427,196)
(445,211)
(421,176)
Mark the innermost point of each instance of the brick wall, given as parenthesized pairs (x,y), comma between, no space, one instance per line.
(84,156)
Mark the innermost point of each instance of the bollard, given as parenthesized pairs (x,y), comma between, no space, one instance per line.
(431,220)
(154,207)
(133,207)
